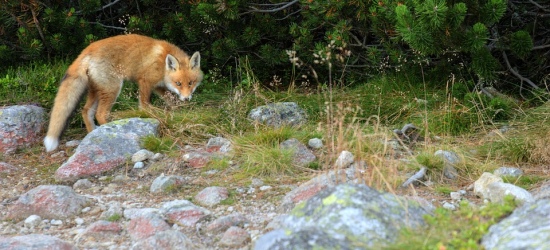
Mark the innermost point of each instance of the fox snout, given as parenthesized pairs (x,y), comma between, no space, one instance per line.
(186,98)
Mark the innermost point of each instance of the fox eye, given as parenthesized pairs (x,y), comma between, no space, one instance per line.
(178,83)
(191,83)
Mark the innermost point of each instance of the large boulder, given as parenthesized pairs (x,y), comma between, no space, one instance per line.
(344,216)
(528,227)
(106,148)
(20,127)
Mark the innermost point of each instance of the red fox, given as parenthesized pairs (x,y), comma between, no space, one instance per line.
(101,68)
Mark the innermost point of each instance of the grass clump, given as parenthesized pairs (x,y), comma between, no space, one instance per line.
(525,181)
(259,153)
(114,217)
(460,229)
(158,144)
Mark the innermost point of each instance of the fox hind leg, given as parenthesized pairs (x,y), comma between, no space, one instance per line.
(89,110)
(106,101)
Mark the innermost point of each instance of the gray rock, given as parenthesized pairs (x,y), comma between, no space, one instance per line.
(480,185)
(492,188)
(82,184)
(211,196)
(450,159)
(219,144)
(498,190)
(166,183)
(317,184)
(142,227)
(139,165)
(302,155)
(20,127)
(131,213)
(315,143)
(225,222)
(106,148)
(542,192)
(142,155)
(234,237)
(184,213)
(279,114)
(305,238)
(340,217)
(114,209)
(72,143)
(508,171)
(34,242)
(344,160)
(33,221)
(169,239)
(6,167)
(528,227)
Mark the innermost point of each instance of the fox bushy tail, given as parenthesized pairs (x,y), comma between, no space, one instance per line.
(68,96)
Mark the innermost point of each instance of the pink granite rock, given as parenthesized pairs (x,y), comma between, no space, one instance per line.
(47,201)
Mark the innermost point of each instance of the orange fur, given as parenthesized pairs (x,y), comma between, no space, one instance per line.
(101,68)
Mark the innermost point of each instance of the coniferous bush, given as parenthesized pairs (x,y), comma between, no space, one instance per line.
(487,41)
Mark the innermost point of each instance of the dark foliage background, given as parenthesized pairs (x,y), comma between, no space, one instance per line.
(489,42)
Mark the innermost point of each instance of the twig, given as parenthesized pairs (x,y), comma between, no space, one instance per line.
(416,177)
(541,47)
(108,26)
(515,73)
(272,10)
(102,7)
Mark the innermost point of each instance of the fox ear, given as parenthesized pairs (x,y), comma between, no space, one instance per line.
(172,63)
(195,60)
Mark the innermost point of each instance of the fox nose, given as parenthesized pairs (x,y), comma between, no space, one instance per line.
(186,98)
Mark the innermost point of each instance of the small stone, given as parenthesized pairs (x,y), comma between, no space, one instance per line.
(139,165)
(157,157)
(234,237)
(33,221)
(82,184)
(508,172)
(257,182)
(166,183)
(219,144)
(345,159)
(120,178)
(72,143)
(212,196)
(264,188)
(56,222)
(456,196)
(79,221)
(142,155)
(315,143)
(449,206)
(59,154)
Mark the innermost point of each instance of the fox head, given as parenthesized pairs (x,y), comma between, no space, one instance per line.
(183,78)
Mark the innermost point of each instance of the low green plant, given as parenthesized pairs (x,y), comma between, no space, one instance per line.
(429,160)
(514,149)
(445,190)
(114,217)
(460,229)
(524,181)
(34,83)
(158,144)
